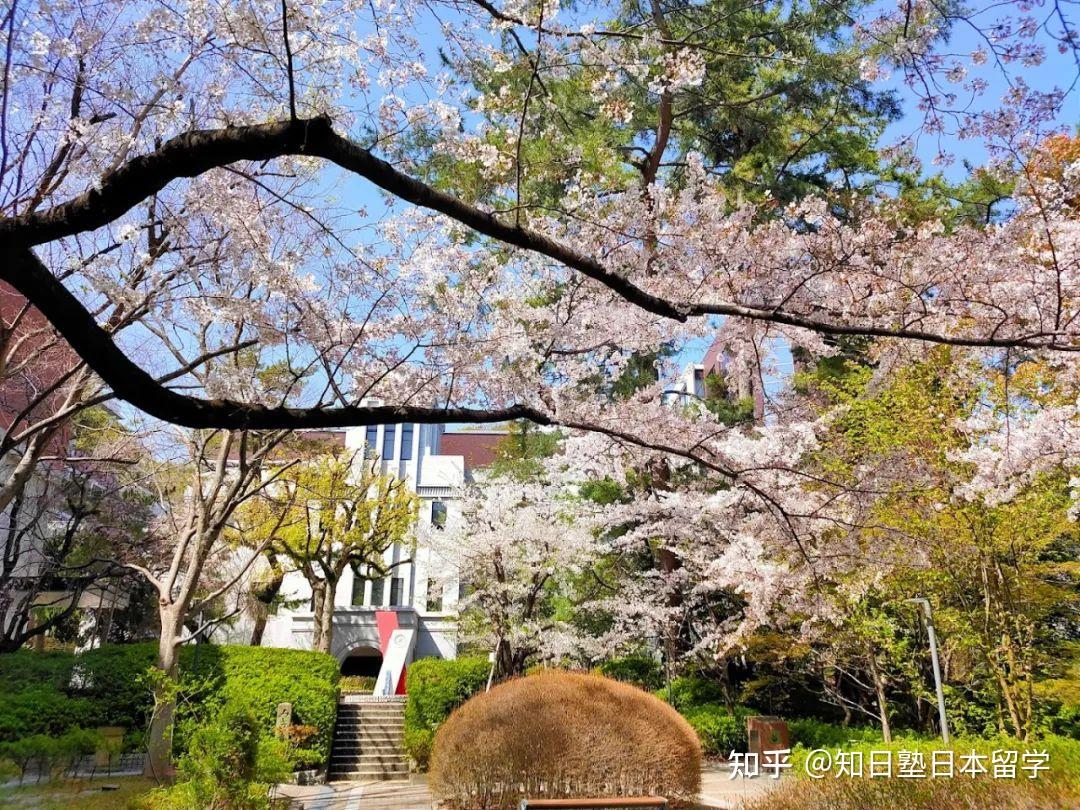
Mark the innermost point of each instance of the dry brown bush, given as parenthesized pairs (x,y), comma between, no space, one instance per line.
(563,735)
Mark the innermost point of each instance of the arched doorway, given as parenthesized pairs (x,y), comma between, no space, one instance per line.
(362,661)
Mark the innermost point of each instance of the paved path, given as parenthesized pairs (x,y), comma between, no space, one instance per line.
(359,796)
(720,791)
(717,791)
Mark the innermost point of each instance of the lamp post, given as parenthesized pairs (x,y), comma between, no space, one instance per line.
(925,603)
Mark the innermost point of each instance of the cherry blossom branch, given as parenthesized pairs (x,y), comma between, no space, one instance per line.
(288,59)
(132,384)
(198,151)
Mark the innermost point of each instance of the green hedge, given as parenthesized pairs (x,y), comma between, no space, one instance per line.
(362,684)
(720,731)
(435,688)
(52,693)
(701,702)
(812,733)
(640,670)
(691,690)
(1064,720)
(261,678)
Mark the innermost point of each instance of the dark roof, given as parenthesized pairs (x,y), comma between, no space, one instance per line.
(477,447)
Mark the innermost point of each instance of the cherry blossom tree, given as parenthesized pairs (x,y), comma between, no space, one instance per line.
(197,500)
(515,543)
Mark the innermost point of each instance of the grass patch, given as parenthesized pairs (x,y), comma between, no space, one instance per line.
(84,794)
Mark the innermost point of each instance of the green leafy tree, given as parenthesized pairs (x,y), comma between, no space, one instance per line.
(328,514)
(1001,576)
(779,107)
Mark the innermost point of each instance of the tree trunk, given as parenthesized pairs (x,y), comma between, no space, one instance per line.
(508,663)
(159,736)
(1007,695)
(265,597)
(883,705)
(726,686)
(669,563)
(324,618)
(318,589)
(259,628)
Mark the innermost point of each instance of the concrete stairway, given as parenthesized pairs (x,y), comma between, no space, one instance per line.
(368,741)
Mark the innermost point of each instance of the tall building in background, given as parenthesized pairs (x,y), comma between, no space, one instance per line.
(383,623)
(35,364)
(738,382)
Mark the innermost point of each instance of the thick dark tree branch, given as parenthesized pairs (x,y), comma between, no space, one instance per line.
(132,384)
(196,152)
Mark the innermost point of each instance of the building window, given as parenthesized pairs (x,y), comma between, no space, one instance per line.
(397,591)
(388,442)
(438,514)
(434,596)
(406,441)
(358,588)
(372,436)
(377,588)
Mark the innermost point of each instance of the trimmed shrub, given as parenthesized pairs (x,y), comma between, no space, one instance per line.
(814,733)
(112,677)
(41,709)
(641,670)
(563,735)
(229,765)
(51,693)
(720,731)
(691,690)
(436,687)
(23,667)
(261,678)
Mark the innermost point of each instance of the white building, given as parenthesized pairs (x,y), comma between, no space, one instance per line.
(689,388)
(381,624)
